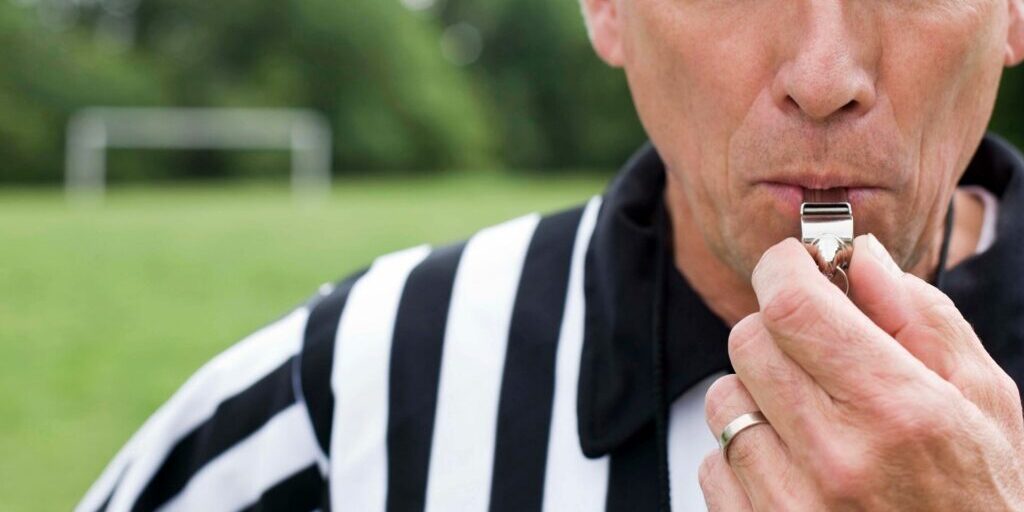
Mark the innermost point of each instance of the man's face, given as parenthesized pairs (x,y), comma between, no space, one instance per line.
(751,102)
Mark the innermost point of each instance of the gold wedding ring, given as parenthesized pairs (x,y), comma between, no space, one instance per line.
(734,427)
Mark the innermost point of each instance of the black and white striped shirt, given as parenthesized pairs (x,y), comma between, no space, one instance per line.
(548,363)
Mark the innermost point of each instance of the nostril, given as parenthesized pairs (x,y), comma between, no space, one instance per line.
(792,103)
(822,111)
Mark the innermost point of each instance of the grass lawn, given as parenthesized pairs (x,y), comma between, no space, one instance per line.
(104,312)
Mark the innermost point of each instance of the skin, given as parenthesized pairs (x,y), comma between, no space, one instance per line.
(748,101)
(748,104)
(885,400)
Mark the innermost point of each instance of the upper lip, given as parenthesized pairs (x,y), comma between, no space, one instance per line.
(821,181)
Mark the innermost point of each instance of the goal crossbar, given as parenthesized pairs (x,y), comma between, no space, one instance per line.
(92,131)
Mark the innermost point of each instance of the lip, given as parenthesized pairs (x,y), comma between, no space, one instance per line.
(791,196)
(821,180)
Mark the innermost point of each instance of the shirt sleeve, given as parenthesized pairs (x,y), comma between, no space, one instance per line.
(236,436)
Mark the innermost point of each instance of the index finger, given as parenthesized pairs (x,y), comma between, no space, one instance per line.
(814,323)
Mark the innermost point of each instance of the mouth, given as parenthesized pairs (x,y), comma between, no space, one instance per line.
(789,196)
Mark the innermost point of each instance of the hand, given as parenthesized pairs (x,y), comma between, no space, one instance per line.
(885,400)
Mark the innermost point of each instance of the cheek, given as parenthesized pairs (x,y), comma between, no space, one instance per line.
(695,68)
(942,84)
(944,78)
(703,61)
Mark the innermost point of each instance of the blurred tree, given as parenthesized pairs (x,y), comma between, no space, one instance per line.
(371,66)
(1008,119)
(46,72)
(555,102)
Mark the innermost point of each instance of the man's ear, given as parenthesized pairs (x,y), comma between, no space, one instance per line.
(1015,39)
(603,27)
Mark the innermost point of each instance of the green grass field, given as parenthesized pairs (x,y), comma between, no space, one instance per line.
(104,312)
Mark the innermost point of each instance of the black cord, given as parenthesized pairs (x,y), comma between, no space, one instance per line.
(947,231)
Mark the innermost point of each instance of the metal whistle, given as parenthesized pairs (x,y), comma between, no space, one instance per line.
(826,229)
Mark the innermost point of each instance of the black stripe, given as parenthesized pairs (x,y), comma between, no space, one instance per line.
(633,474)
(106,502)
(235,419)
(527,389)
(415,370)
(300,492)
(317,358)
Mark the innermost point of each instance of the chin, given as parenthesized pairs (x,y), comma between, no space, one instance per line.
(748,239)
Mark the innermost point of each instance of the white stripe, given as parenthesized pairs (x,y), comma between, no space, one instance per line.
(284,446)
(689,440)
(106,482)
(362,355)
(473,358)
(571,480)
(226,375)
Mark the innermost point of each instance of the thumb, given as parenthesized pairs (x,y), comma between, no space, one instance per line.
(919,316)
(876,285)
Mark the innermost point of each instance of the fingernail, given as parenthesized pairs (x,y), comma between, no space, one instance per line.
(883,256)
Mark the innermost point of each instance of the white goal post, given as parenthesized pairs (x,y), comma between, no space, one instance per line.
(91,131)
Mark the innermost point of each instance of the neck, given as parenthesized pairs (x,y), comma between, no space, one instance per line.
(729,294)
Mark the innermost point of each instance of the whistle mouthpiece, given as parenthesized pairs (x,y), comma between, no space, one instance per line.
(826,229)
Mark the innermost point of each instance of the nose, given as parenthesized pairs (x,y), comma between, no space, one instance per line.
(827,72)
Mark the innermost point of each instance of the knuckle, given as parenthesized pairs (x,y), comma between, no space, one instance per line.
(948,321)
(1008,385)
(742,451)
(1001,394)
(717,397)
(744,333)
(911,426)
(995,385)
(844,479)
(793,308)
(903,416)
(926,292)
(941,316)
(917,419)
(1009,390)
(707,469)
(784,379)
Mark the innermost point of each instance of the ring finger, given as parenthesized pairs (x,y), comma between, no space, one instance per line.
(756,455)
(722,491)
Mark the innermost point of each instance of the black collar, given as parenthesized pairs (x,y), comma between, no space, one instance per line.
(989,288)
(617,370)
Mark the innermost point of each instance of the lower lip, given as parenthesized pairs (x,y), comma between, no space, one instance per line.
(792,196)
